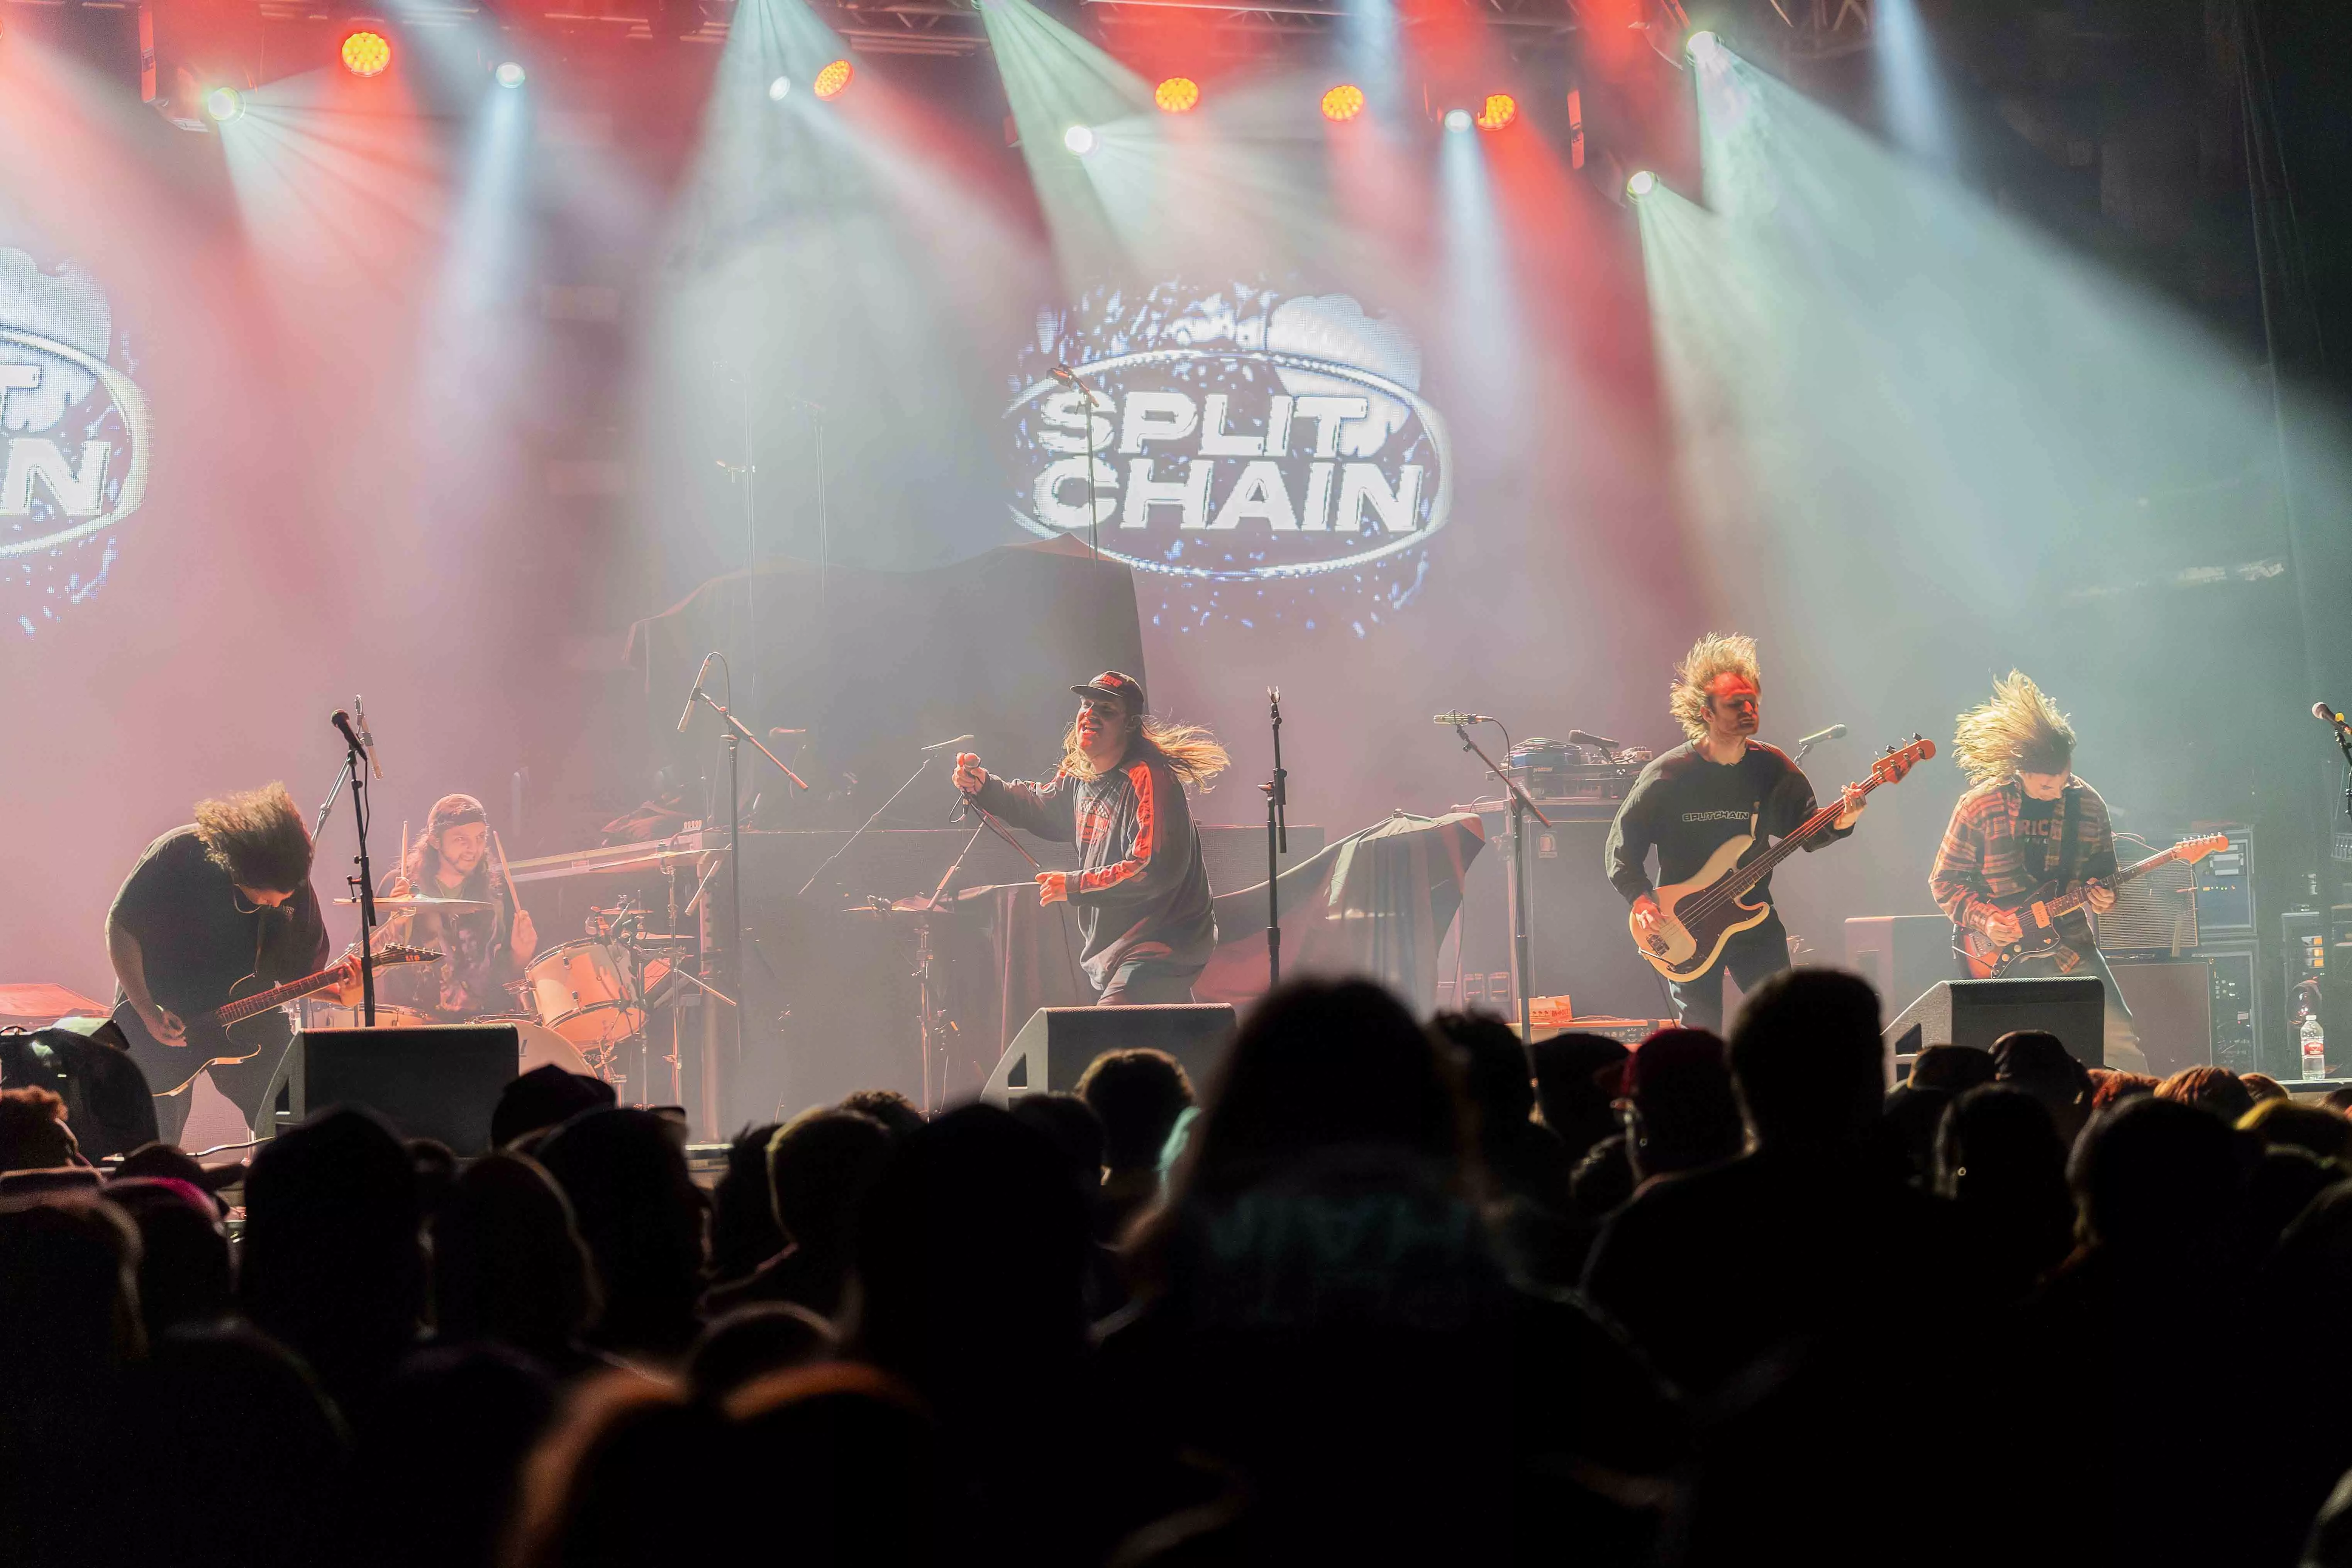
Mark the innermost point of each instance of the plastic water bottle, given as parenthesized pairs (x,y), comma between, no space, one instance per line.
(2314,1047)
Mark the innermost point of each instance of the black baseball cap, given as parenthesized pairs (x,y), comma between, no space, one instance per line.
(1111,683)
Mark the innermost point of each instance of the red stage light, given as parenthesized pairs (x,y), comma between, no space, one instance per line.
(834,80)
(1344,101)
(1499,110)
(366,52)
(1177,95)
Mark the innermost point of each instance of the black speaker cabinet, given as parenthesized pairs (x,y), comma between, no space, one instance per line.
(1577,939)
(441,1081)
(1979,1012)
(1058,1043)
(2171,1001)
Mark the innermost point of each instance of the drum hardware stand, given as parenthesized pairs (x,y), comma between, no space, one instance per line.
(1521,958)
(1278,843)
(932,1018)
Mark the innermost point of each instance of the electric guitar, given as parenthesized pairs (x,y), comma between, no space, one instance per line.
(2039,912)
(242,1028)
(1698,917)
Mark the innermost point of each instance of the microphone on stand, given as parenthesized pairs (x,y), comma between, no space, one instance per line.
(1460,718)
(686,715)
(1068,377)
(1586,738)
(367,736)
(1835,732)
(2326,714)
(342,721)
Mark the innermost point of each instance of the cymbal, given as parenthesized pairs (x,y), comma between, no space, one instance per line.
(902,909)
(415,905)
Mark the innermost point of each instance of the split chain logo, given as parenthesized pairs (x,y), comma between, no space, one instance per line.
(74,441)
(1230,436)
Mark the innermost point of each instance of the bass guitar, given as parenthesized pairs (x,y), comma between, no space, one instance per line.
(1699,916)
(242,1028)
(2039,912)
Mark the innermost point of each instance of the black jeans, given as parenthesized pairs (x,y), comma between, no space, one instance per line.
(243,1082)
(1141,981)
(1753,956)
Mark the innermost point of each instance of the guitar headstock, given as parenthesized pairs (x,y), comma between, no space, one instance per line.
(1900,760)
(397,952)
(2189,851)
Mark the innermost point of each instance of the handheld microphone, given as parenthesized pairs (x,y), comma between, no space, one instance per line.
(342,721)
(2323,712)
(1460,718)
(367,736)
(686,715)
(943,745)
(1835,732)
(1586,738)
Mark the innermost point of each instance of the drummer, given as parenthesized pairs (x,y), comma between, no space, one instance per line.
(483,953)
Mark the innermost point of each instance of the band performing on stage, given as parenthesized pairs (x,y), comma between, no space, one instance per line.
(217,926)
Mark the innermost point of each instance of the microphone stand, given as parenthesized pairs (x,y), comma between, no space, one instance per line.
(356,774)
(921,770)
(1278,842)
(1521,958)
(736,934)
(2344,744)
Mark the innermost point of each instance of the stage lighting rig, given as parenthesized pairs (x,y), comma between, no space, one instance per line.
(834,80)
(1177,95)
(1457,119)
(508,74)
(223,104)
(1499,110)
(1079,140)
(1640,184)
(366,49)
(780,89)
(1343,102)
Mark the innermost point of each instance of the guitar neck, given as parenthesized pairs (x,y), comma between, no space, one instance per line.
(245,1007)
(2067,903)
(1756,870)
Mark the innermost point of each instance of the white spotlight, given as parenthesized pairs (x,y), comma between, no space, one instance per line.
(1640,184)
(780,89)
(1457,119)
(1079,139)
(1703,46)
(508,74)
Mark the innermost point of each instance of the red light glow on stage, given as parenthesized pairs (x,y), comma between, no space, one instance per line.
(1499,110)
(1177,95)
(1344,101)
(834,80)
(366,52)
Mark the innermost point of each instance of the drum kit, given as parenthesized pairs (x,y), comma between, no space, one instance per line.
(582,1004)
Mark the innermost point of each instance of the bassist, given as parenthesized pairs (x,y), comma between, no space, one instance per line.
(2028,822)
(1723,784)
(224,897)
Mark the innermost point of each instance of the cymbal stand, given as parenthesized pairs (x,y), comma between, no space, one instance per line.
(676,1064)
(934,1019)
(1522,960)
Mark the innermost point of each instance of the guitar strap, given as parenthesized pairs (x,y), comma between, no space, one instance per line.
(2067,846)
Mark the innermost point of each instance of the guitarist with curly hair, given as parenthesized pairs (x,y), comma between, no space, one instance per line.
(2028,824)
(1693,800)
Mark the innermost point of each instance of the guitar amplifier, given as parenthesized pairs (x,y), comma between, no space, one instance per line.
(2224,887)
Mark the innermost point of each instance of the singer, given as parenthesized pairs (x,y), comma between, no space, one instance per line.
(2028,822)
(1142,889)
(1721,784)
(482,953)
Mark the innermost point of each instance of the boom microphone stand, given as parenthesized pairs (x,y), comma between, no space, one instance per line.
(355,769)
(1521,958)
(1278,843)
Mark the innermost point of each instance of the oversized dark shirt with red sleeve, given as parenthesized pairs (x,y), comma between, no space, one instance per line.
(1142,889)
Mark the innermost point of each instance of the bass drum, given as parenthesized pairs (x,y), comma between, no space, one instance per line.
(541,1047)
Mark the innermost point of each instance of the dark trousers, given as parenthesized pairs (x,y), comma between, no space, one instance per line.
(1751,957)
(244,1082)
(1141,981)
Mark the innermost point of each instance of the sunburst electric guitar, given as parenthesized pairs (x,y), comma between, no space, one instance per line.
(1702,914)
(241,1029)
(2039,912)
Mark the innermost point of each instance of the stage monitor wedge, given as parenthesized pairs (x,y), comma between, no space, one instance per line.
(1979,1012)
(441,1081)
(1054,1046)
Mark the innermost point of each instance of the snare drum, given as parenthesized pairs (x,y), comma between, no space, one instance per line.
(330,1016)
(540,1046)
(583,994)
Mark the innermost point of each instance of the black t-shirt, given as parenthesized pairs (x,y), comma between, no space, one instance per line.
(198,935)
(2039,824)
(1686,805)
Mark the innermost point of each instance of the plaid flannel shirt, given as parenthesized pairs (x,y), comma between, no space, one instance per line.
(1983,860)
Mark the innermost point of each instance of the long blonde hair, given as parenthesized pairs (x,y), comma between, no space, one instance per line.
(2020,729)
(1190,752)
(1717,653)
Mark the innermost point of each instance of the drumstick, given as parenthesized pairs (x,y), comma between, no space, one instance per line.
(503,871)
